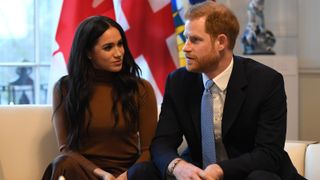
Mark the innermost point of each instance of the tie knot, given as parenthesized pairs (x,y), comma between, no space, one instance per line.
(209,84)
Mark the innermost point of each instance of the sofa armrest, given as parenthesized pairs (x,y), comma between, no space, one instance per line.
(312,162)
(297,151)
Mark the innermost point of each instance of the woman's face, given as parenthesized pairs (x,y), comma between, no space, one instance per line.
(108,52)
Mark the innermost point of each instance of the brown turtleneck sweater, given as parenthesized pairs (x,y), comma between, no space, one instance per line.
(106,147)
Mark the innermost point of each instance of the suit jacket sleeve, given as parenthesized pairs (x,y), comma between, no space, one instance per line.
(168,135)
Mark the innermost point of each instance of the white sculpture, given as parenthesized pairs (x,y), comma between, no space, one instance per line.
(256,38)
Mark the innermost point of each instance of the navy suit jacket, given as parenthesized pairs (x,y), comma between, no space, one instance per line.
(253,123)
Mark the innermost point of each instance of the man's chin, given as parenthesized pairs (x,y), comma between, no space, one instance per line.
(192,69)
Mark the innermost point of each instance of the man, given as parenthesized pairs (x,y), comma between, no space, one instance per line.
(248,108)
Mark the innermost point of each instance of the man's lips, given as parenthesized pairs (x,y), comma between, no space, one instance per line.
(189,57)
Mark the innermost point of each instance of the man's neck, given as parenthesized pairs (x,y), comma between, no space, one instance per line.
(222,64)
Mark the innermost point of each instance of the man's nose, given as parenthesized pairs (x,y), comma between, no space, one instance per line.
(186,46)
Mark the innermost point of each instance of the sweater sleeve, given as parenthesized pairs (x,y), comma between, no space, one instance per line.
(147,119)
(60,128)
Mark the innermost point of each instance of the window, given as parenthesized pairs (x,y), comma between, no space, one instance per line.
(27,33)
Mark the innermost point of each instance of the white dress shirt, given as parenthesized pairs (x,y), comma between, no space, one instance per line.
(219,91)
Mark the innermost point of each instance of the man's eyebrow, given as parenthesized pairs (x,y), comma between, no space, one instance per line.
(196,37)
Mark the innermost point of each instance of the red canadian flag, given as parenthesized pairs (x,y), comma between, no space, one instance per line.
(149,28)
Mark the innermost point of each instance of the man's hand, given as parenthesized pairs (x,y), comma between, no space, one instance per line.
(212,172)
(187,171)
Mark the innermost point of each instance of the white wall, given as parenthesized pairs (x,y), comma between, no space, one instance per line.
(309,38)
(296,26)
(309,63)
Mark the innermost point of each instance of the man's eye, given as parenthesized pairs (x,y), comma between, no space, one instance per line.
(194,39)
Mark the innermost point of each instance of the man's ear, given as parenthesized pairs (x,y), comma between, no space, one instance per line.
(222,42)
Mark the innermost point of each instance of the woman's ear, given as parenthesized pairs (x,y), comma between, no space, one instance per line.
(89,55)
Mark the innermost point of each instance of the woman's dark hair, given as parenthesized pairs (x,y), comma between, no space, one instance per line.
(80,75)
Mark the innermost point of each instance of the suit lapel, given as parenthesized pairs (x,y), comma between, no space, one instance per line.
(235,95)
(194,93)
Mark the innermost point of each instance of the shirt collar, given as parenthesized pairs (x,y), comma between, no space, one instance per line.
(221,81)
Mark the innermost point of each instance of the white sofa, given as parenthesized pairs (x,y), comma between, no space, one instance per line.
(305,155)
(28,145)
(27,141)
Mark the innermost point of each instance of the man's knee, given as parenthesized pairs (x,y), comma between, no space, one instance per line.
(144,170)
(262,175)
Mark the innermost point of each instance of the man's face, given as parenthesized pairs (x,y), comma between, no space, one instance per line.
(199,50)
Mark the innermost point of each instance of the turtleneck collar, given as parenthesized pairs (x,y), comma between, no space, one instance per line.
(103,76)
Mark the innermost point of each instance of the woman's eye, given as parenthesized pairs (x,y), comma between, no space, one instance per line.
(107,48)
(120,44)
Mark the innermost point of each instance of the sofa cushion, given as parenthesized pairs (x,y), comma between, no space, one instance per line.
(27,141)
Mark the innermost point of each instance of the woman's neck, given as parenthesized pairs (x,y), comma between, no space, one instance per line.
(103,76)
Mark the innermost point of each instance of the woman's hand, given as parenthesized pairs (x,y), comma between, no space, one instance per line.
(103,174)
(122,176)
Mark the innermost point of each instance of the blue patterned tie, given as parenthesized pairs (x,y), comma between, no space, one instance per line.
(208,142)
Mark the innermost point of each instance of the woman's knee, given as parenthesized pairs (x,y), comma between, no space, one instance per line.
(64,161)
(58,167)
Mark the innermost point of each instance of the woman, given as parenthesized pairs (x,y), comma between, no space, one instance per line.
(105,115)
